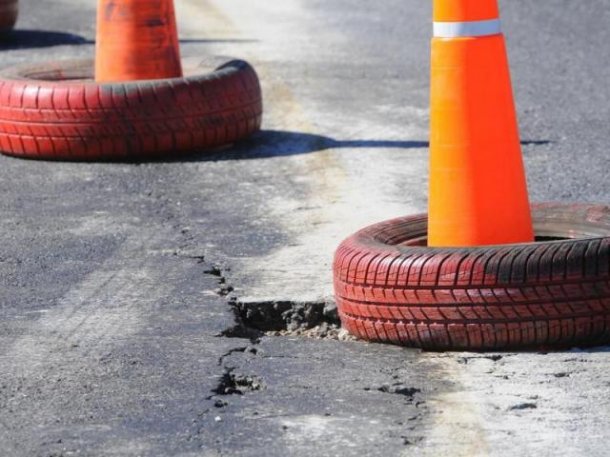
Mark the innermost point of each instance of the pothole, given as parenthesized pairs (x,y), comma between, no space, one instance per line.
(254,319)
(318,320)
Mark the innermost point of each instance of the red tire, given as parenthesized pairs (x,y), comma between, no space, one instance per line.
(9,9)
(55,111)
(389,287)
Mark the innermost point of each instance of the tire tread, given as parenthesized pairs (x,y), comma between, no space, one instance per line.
(547,294)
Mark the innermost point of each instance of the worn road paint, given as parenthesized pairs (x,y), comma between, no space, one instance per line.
(455,425)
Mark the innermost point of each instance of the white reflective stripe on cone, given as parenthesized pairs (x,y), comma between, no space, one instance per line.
(467,29)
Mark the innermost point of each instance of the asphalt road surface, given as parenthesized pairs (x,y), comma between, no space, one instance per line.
(153,308)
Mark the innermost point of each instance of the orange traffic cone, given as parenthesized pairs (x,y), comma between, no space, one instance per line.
(136,39)
(478,191)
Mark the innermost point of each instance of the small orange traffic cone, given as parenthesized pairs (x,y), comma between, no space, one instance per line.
(478,191)
(136,40)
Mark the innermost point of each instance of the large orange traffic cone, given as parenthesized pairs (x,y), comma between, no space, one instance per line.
(136,39)
(478,191)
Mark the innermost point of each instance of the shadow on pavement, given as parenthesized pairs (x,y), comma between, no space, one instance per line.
(24,39)
(276,143)
(535,142)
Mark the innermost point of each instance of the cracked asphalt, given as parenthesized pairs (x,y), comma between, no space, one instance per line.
(130,293)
